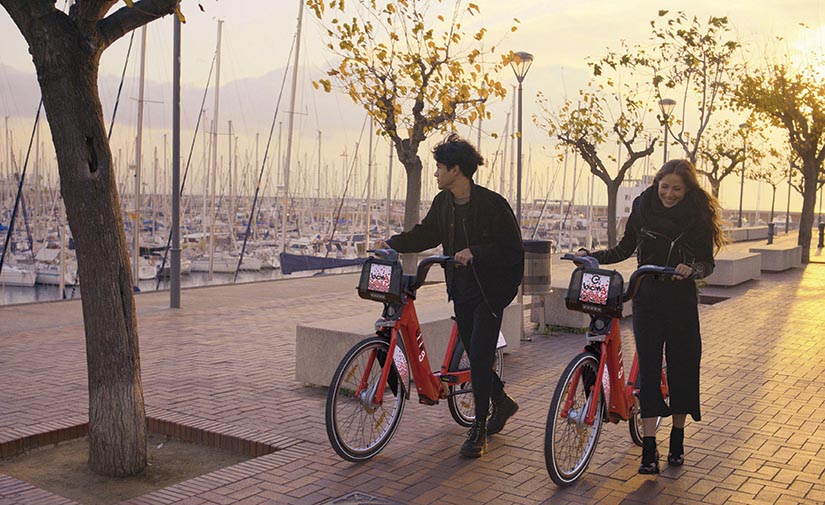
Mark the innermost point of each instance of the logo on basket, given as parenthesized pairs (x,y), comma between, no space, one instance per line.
(380,276)
(594,288)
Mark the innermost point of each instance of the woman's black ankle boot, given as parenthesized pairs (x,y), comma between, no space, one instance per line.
(676,455)
(650,457)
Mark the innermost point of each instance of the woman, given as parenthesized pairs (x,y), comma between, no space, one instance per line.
(673,223)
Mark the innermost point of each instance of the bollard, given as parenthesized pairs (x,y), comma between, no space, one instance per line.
(821,235)
(770,232)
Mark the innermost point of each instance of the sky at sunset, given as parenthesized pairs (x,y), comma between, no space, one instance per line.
(256,40)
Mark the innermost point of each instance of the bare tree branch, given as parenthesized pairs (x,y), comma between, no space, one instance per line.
(90,11)
(126,19)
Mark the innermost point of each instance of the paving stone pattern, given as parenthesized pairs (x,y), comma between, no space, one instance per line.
(227,359)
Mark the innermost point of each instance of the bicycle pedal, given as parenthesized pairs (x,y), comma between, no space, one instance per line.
(450,379)
(427,401)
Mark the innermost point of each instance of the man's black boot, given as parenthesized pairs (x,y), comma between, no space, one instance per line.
(476,443)
(503,408)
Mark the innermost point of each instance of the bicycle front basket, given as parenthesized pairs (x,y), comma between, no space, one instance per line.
(595,291)
(381,280)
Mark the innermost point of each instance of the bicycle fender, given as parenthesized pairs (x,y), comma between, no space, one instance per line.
(501,341)
(402,366)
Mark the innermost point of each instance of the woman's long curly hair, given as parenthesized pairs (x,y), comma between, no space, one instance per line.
(705,202)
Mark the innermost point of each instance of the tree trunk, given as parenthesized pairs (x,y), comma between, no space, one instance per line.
(773,201)
(412,215)
(413,167)
(67,70)
(612,198)
(714,187)
(806,220)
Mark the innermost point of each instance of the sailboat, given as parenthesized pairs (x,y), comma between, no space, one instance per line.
(15,276)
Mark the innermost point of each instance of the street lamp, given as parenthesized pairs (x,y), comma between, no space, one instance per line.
(744,129)
(666,105)
(521,64)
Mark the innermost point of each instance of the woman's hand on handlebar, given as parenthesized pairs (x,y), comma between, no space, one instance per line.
(464,256)
(683,272)
(582,252)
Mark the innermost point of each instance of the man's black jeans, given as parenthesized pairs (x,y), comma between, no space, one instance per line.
(478,329)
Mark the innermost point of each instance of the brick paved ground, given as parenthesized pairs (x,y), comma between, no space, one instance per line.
(225,361)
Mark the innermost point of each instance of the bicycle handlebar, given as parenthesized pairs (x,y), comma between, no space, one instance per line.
(635,278)
(423,267)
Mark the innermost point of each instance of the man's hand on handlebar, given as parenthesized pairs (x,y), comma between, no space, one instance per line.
(465,256)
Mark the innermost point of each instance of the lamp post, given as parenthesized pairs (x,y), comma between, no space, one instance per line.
(744,129)
(788,207)
(666,105)
(521,64)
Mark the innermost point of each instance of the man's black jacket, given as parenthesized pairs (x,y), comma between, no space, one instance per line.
(493,236)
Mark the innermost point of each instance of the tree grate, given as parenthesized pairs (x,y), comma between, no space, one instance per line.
(359,498)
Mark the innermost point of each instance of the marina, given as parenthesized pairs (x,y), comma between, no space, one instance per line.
(36,261)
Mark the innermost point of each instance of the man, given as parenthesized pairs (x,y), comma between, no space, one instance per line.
(478,228)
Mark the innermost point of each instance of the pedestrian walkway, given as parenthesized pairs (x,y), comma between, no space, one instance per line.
(224,362)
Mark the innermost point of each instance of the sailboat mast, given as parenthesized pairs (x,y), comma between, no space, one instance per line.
(563,193)
(153,198)
(232,183)
(9,177)
(215,124)
(37,204)
(138,158)
(205,173)
(389,192)
(291,125)
(369,190)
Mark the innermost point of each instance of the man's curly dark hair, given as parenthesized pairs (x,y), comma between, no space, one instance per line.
(454,150)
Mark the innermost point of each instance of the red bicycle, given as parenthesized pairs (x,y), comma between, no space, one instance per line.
(593,387)
(372,383)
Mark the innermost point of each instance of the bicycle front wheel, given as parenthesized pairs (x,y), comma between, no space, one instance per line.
(569,442)
(460,401)
(359,428)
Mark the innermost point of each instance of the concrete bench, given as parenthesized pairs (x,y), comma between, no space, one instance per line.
(776,258)
(734,268)
(320,346)
(748,233)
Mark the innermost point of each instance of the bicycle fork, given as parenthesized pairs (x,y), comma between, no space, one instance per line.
(587,413)
(371,396)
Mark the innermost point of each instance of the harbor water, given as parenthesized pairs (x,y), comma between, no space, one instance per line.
(11,295)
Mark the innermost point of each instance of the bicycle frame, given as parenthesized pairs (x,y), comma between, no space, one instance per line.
(428,383)
(619,393)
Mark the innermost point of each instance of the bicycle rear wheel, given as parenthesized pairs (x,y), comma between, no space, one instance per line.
(461,402)
(357,427)
(569,443)
(636,431)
